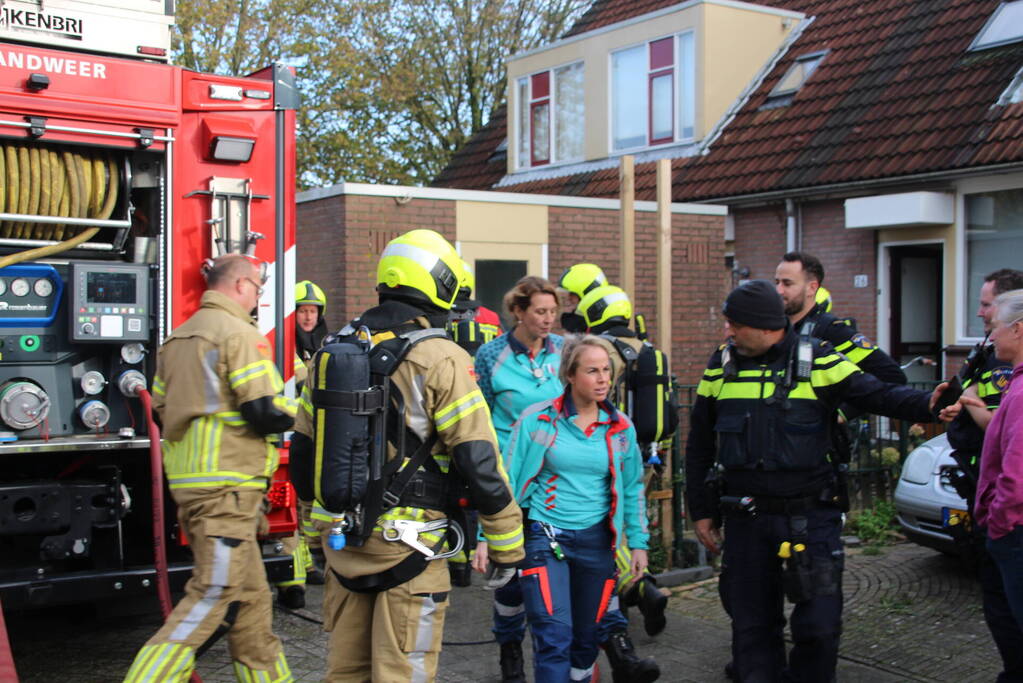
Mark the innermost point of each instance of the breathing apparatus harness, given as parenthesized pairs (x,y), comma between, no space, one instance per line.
(358,411)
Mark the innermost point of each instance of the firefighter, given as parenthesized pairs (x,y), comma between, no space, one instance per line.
(384,604)
(606,311)
(310,325)
(305,545)
(219,398)
(470,325)
(782,521)
(985,378)
(487,324)
(798,280)
(575,283)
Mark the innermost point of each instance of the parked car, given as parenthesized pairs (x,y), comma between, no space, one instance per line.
(924,498)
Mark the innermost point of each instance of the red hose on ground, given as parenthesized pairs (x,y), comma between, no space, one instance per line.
(159,544)
(156,480)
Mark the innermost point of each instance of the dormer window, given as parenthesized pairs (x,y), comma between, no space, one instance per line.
(798,74)
(653,93)
(1005,26)
(550,115)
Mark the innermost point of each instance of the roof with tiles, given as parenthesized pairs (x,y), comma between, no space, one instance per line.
(897,94)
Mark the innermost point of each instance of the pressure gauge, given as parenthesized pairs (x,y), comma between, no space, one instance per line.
(93,382)
(133,353)
(3,286)
(43,287)
(19,286)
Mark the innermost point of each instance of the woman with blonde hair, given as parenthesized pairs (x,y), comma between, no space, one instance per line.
(576,469)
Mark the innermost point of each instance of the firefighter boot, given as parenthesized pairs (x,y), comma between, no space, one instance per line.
(314,575)
(511,663)
(292,597)
(645,594)
(626,666)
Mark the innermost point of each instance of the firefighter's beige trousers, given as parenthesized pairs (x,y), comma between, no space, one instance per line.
(392,636)
(228,581)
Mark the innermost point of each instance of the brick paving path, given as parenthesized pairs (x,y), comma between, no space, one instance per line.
(911,615)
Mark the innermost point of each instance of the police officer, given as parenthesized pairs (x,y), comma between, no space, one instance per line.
(606,311)
(305,546)
(218,396)
(761,418)
(798,280)
(386,625)
(577,281)
(985,377)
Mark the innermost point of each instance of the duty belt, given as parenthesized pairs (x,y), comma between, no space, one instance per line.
(770,505)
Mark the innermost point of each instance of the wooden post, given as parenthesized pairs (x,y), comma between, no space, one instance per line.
(627,188)
(665,327)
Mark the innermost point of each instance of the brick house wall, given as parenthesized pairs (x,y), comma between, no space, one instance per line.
(700,281)
(760,243)
(340,238)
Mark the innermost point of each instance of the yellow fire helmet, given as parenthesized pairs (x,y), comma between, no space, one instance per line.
(308,292)
(823,296)
(581,278)
(420,265)
(468,278)
(603,304)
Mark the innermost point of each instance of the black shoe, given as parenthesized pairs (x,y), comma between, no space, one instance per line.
(511,663)
(645,594)
(292,597)
(626,667)
(730,671)
(313,576)
(461,574)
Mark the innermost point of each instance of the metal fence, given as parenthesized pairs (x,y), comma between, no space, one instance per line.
(879,447)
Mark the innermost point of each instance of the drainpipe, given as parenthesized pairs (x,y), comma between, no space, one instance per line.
(791,225)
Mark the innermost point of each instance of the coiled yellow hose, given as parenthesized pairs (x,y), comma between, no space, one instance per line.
(46,180)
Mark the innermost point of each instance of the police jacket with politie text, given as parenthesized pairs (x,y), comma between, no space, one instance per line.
(440,397)
(218,395)
(775,445)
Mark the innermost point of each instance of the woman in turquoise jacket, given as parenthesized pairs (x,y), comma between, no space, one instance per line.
(575,465)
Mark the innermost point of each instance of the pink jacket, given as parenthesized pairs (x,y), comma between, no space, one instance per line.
(1000,486)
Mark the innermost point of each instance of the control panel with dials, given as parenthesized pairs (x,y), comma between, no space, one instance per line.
(109,303)
(29,295)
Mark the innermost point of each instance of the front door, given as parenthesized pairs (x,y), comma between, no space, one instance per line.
(916,315)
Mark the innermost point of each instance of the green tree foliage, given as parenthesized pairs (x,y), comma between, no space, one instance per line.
(391,88)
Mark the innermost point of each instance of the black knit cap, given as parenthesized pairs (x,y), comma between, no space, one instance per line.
(756,304)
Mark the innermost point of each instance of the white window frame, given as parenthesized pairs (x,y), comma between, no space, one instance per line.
(975,44)
(678,108)
(526,164)
(818,57)
(964,307)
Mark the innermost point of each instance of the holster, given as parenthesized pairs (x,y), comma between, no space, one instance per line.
(806,576)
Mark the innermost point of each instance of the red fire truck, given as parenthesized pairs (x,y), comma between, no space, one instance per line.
(119,175)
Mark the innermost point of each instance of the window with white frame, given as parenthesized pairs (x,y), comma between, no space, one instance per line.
(994,232)
(653,93)
(1004,26)
(551,121)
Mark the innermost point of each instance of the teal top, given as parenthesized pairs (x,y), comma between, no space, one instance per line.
(511,380)
(574,485)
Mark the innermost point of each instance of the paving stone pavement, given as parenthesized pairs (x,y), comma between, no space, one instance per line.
(911,615)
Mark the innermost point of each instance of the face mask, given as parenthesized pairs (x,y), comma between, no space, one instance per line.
(573,323)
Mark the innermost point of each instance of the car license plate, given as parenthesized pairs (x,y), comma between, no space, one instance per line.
(961,516)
